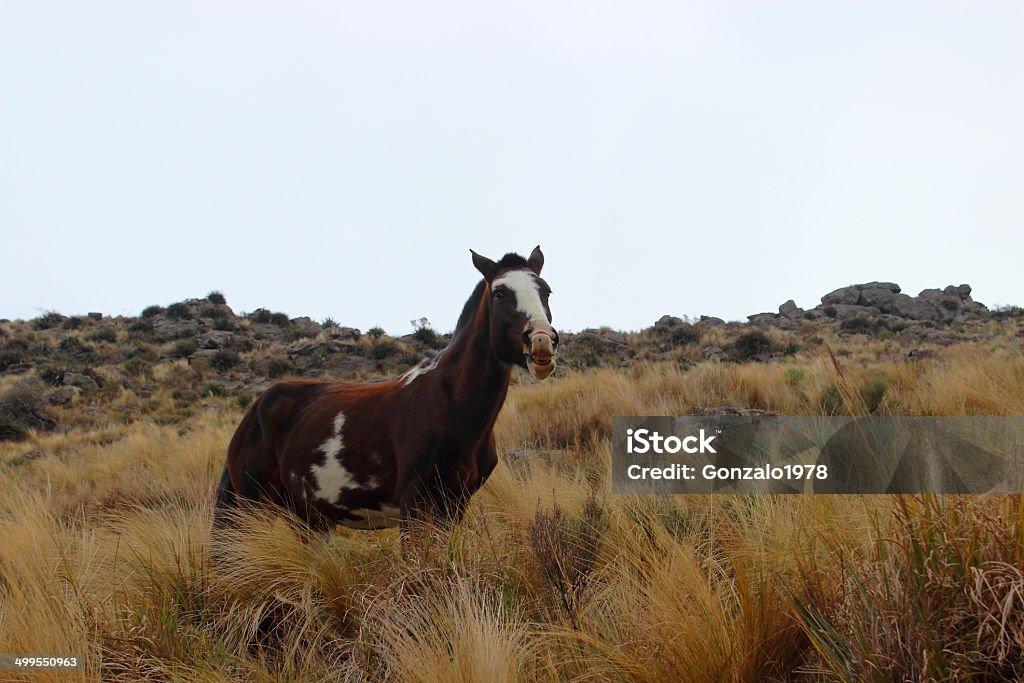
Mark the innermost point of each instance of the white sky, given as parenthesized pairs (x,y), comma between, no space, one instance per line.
(341,158)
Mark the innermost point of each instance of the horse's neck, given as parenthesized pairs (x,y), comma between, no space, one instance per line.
(479,379)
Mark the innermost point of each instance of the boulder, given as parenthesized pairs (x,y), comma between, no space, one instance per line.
(791,310)
(915,309)
(891,286)
(63,396)
(880,297)
(215,339)
(844,295)
(668,321)
(83,382)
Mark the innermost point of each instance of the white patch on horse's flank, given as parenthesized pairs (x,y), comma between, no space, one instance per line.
(386,517)
(331,479)
(523,284)
(421,368)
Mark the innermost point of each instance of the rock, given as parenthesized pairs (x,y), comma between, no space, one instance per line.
(915,309)
(216,339)
(267,331)
(791,310)
(668,321)
(93,315)
(964,291)
(880,297)
(706,321)
(615,339)
(844,295)
(712,353)
(173,328)
(848,311)
(345,333)
(83,382)
(891,286)
(930,294)
(761,318)
(64,396)
(918,353)
(729,411)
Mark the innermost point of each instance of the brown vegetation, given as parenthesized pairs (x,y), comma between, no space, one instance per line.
(104,542)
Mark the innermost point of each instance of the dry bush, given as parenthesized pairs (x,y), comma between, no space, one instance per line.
(938,596)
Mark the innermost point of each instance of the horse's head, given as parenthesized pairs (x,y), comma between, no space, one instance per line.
(520,319)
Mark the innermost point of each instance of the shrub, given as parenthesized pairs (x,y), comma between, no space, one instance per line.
(103,334)
(750,345)
(52,373)
(585,350)
(145,352)
(216,297)
(278,367)
(137,367)
(425,334)
(214,389)
(141,326)
(179,311)
(794,376)
(47,320)
(832,401)
(224,360)
(375,333)
(857,326)
(75,322)
(70,345)
(873,392)
(566,551)
(383,348)
(152,311)
(23,408)
(184,348)
(214,312)
(328,322)
(263,316)
(683,334)
(13,352)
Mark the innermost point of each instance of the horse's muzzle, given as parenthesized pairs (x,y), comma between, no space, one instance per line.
(540,357)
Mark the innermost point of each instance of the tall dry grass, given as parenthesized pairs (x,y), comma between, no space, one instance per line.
(105,553)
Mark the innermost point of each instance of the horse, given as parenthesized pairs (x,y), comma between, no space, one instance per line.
(379,455)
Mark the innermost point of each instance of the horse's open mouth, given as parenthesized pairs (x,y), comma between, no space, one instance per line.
(540,361)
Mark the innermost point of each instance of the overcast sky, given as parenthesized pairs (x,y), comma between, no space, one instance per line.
(341,158)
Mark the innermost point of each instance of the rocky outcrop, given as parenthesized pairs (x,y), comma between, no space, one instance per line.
(872,299)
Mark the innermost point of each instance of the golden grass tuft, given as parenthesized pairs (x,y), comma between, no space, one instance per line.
(105,552)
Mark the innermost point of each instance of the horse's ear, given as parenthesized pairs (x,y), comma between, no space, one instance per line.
(486,266)
(536,260)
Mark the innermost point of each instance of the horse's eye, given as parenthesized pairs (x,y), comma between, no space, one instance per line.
(499,295)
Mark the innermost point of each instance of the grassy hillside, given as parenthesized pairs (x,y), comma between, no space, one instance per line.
(104,539)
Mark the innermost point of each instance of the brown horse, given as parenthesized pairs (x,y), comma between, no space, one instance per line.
(370,456)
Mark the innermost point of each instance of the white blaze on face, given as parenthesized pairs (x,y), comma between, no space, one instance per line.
(331,479)
(523,284)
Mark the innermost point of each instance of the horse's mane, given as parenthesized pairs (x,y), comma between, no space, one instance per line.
(509,260)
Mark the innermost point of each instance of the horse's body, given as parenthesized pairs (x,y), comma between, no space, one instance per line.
(372,455)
